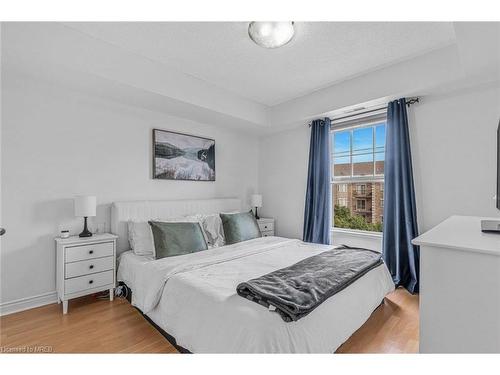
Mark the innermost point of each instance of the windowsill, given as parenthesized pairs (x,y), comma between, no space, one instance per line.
(358,233)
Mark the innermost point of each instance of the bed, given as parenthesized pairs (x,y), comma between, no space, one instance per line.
(193,299)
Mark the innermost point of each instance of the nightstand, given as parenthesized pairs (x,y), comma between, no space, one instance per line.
(85,266)
(266,226)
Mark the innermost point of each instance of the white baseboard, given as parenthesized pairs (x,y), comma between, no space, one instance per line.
(27,303)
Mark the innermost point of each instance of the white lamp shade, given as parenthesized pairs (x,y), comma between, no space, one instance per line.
(256,200)
(85,205)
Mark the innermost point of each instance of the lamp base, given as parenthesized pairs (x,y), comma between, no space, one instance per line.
(85,232)
(256,214)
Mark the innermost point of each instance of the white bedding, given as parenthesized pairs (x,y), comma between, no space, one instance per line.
(193,298)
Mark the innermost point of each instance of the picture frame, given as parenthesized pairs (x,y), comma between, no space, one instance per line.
(182,157)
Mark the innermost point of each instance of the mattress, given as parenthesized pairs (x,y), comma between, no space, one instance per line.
(193,298)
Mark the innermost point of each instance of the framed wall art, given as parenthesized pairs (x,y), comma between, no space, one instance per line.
(178,156)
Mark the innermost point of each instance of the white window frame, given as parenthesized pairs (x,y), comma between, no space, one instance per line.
(361,123)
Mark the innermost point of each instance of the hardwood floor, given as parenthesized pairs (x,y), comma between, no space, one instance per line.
(392,328)
(100,326)
(91,326)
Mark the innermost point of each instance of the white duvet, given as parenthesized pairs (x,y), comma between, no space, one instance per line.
(193,298)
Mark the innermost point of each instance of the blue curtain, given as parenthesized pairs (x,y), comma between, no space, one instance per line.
(317,213)
(400,214)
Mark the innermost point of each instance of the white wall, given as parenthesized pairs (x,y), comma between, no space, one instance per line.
(57,143)
(283,162)
(454,151)
(0,155)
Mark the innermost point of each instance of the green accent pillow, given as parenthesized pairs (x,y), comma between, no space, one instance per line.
(171,239)
(240,227)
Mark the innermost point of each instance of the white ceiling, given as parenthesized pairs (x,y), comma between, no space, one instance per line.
(321,53)
(213,74)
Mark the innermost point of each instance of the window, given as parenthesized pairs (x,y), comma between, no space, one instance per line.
(361,205)
(357,162)
(361,189)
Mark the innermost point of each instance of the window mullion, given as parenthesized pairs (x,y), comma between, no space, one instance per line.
(373,148)
(350,153)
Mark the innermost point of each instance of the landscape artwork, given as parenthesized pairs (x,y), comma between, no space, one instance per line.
(178,156)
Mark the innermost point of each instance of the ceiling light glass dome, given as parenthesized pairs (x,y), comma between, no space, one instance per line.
(271,34)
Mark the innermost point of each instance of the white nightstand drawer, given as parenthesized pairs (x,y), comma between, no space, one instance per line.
(78,284)
(84,252)
(86,267)
(266,226)
(267,233)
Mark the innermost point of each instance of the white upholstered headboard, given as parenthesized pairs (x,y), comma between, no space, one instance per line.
(122,212)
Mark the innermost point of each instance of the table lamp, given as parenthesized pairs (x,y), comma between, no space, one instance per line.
(256,202)
(85,206)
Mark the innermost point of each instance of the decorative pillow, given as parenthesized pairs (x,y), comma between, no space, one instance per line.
(240,227)
(177,238)
(212,227)
(140,238)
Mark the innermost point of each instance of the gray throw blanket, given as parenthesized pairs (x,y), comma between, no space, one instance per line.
(297,290)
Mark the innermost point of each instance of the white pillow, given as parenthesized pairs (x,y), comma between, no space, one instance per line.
(141,238)
(212,226)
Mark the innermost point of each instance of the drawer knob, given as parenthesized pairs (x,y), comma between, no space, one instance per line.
(91,251)
(265,226)
(91,281)
(91,266)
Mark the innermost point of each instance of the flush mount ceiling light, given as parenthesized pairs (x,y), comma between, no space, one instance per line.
(271,34)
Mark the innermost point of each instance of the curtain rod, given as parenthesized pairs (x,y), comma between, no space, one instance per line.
(409,102)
